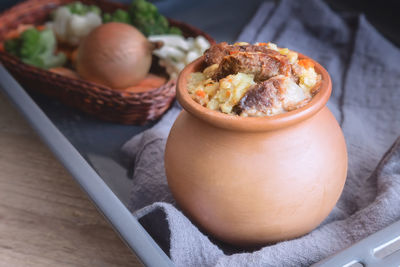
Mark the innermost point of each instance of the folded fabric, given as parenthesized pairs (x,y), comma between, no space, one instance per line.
(365,73)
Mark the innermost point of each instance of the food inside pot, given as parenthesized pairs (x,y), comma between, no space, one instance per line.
(253,80)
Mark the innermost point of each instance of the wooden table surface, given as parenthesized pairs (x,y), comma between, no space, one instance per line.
(45,219)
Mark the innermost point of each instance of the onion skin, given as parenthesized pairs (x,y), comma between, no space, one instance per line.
(65,72)
(114,54)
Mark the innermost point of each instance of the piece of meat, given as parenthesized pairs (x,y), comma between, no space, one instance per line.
(296,72)
(260,97)
(262,65)
(217,52)
(273,96)
(316,87)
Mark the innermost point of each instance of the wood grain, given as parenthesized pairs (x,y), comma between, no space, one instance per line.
(45,219)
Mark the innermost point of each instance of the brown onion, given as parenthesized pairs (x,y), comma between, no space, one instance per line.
(116,55)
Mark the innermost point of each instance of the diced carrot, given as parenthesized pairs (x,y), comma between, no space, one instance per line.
(40,27)
(200,93)
(306,63)
(233,52)
(259,44)
(150,82)
(228,93)
(69,51)
(74,56)
(15,33)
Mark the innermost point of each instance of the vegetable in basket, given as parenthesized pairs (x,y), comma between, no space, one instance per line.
(119,15)
(82,9)
(145,17)
(178,51)
(72,22)
(36,48)
(116,55)
(148,20)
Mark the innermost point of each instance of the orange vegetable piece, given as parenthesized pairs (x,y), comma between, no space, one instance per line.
(40,27)
(306,63)
(200,93)
(150,82)
(74,56)
(15,33)
(70,52)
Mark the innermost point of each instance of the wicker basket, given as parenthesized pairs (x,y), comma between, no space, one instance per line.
(100,101)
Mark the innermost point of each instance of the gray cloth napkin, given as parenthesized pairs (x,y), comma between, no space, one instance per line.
(365,72)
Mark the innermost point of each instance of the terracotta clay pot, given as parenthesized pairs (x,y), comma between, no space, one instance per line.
(256,180)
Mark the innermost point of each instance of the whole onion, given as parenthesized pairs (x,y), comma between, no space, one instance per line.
(116,55)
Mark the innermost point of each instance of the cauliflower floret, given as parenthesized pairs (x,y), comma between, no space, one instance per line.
(72,28)
(178,51)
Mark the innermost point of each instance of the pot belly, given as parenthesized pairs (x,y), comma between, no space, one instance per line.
(255,188)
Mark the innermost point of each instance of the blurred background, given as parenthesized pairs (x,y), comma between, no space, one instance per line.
(229,16)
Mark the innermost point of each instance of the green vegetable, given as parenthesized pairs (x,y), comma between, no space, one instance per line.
(175,30)
(81,9)
(36,48)
(148,20)
(119,15)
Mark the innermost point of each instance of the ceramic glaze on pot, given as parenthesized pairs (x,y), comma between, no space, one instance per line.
(255,180)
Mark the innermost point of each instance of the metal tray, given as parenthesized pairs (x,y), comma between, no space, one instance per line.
(74,138)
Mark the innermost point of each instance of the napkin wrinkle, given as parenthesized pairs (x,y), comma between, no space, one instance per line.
(149,184)
(261,18)
(366,91)
(369,136)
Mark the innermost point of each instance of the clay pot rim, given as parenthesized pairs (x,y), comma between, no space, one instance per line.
(252,124)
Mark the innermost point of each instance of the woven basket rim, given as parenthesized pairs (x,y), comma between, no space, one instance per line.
(122,106)
(100,89)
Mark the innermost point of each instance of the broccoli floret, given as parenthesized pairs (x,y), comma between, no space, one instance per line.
(36,48)
(107,17)
(76,8)
(12,46)
(94,9)
(175,30)
(119,15)
(148,20)
(48,44)
(29,46)
(81,9)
